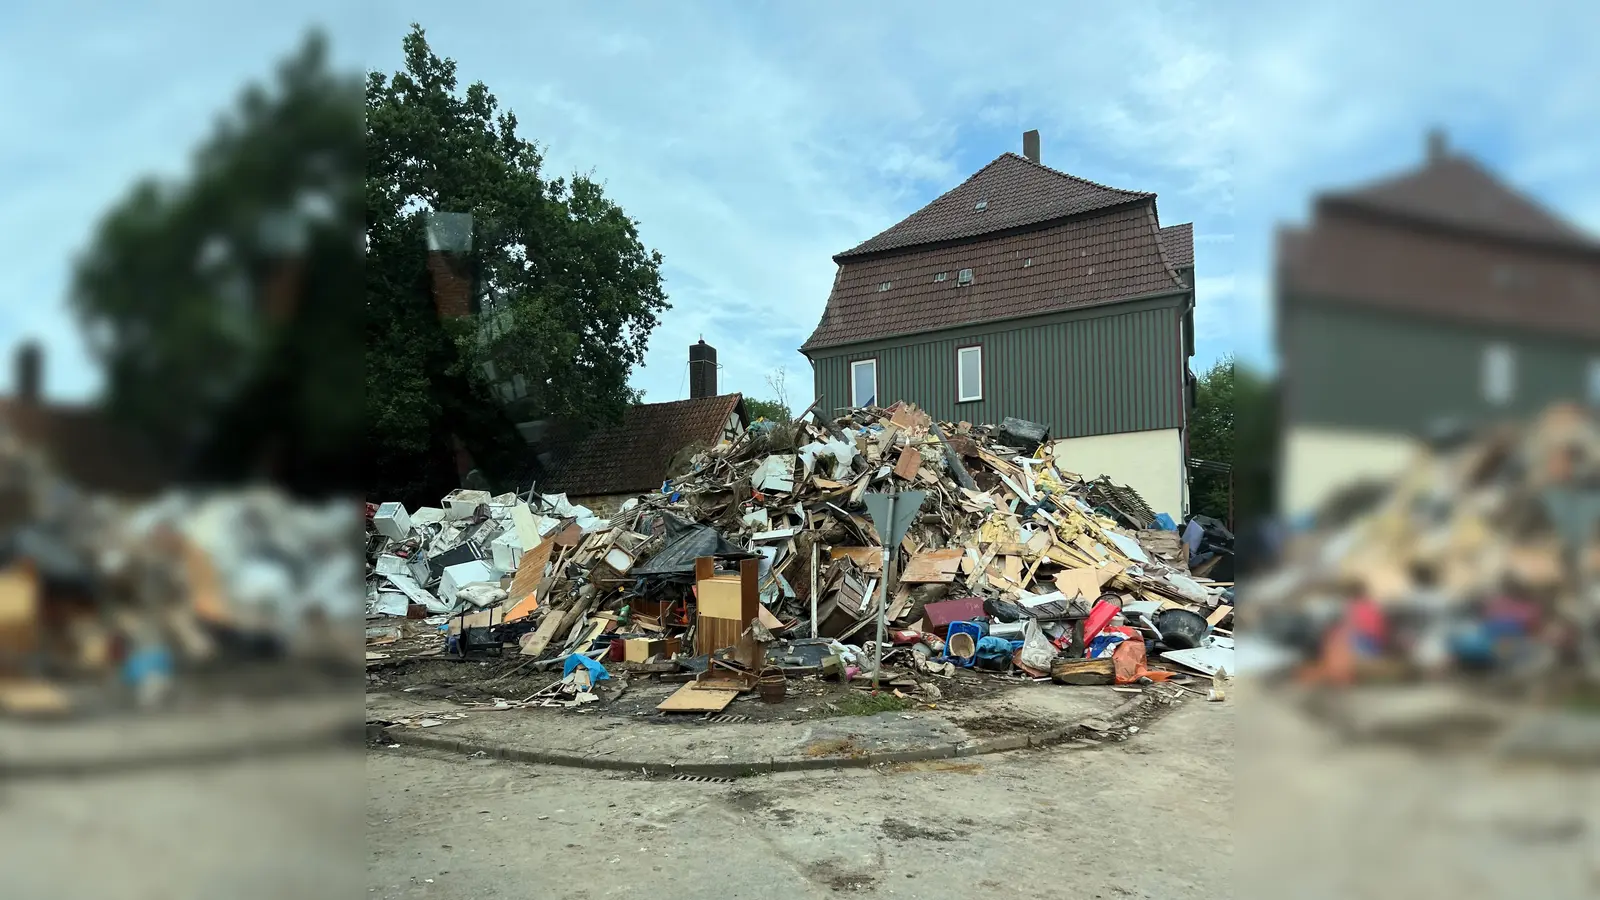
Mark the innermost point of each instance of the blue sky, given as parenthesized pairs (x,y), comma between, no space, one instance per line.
(754,140)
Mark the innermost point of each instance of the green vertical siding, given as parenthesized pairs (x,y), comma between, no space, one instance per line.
(1355,367)
(1100,372)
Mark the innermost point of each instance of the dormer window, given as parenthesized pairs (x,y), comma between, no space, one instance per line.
(885,286)
(941,276)
(981,205)
(964,276)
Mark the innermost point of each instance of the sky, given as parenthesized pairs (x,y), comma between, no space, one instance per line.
(753,140)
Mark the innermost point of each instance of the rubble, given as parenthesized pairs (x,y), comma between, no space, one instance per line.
(1482,556)
(765,558)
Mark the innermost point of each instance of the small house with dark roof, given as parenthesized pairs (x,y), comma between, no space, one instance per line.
(1027,292)
(652,443)
(1438,297)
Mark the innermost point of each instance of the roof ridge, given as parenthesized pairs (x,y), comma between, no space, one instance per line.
(1161,249)
(1055,171)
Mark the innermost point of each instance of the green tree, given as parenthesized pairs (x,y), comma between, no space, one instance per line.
(571,291)
(771,410)
(221,304)
(1211,438)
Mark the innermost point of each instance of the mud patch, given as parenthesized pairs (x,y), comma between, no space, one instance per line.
(897,830)
(1006,722)
(936,765)
(845,746)
(834,875)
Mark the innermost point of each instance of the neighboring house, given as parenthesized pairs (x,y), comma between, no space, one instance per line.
(653,443)
(1439,296)
(78,442)
(1032,293)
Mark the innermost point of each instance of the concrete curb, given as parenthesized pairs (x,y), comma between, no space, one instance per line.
(765,765)
(246,747)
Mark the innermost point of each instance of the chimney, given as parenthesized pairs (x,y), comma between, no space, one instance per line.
(449,259)
(30,373)
(1030,144)
(1437,147)
(702,370)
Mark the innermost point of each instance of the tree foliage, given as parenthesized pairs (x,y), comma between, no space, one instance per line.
(1211,438)
(221,304)
(771,410)
(572,293)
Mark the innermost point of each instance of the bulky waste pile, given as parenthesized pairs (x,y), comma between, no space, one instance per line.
(763,563)
(107,602)
(1482,556)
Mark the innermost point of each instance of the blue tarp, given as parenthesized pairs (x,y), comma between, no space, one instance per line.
(597,672)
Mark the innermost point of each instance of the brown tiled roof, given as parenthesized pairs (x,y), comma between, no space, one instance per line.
(1456,191)
(85,448)
(1016,192)
(634,455)
(1178,242)
(1439,273)
(1079,262)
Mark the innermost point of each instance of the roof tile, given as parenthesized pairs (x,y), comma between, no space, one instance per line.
(1178,243)
(1015,192)
(634,454)
(1079,262)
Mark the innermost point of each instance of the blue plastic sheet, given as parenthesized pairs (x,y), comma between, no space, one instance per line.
(597,672)
(1165,523)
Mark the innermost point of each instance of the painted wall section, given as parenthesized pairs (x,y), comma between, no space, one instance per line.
(1101,371)
(1150,462)
(1317,462)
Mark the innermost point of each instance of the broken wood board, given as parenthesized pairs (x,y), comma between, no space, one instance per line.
(694,698)
(1219,614)
(870,559)
(1075,583)
(721,597)
(933,567)
(534,644)
(908,464)
(1082,671)
(33,698)
(530,570)
(767,619)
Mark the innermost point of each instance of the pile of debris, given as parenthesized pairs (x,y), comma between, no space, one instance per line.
(1484,554)
(768,559)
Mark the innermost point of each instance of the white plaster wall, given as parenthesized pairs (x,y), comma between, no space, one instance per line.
(1150,462)
(1319,461)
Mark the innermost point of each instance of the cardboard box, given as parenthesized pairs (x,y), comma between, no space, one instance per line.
(641,649)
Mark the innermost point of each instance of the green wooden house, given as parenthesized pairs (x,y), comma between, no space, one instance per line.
(1032,293)
(1438,297)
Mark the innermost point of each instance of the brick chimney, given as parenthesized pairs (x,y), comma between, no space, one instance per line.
(1438,147)
(449,263)
(1030,144)
(702,370)
(29,373)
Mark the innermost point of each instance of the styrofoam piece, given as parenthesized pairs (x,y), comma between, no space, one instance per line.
(389,564)
(391,521)
(409,586)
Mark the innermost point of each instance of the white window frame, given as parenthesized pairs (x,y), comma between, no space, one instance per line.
(1499,374)
(855,401)
(961,386)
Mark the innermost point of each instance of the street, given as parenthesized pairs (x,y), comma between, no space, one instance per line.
(1150,817)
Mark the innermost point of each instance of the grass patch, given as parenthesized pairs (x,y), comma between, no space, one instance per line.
(854,704)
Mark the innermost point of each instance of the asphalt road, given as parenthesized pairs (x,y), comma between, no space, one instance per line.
(1149,817)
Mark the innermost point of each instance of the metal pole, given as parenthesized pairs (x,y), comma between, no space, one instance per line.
(883,602)
(815,548)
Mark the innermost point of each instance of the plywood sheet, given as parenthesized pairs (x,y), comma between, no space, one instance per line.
(530,569)
(1074,583)
(933,567)
(870,559)
(692,698)
(910,461)
(721,597)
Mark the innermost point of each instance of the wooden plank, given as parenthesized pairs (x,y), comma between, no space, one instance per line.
(908,464)
(1218,614)
(1074,583)
(544,635)
(693,698)
(870,559)
(767,619)
(933,567)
